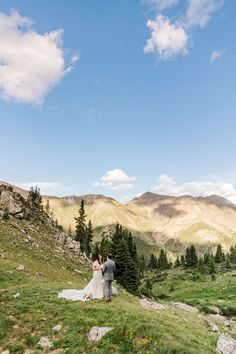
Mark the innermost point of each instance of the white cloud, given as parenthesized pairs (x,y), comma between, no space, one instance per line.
(116,180)
(199,12)
(167,39)
(161,4)
(75,57)
(49,188)
(30,63)
(168,186)
(216,55)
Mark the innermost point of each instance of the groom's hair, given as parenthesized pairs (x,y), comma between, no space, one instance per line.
(109,255)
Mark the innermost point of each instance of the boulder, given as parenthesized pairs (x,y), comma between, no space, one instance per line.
(216,310)
(185,307)
(57,328)
(226,344)
(45,343)
(96,333)
(151,305)
(21,268)
(9,203)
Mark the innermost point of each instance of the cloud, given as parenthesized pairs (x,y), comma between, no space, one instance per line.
(170,38)
(49,188)
(161,4)
(216,55)
(167,39)
(199,12)
(168,186)
(116,180)
(30,63)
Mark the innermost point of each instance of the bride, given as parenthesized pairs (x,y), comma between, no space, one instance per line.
(94,289)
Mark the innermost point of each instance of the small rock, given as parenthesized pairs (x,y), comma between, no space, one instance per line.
(16,295)
(21,268)
(226,344)
(185,307)
(6,352)
(57,328)
(16,327)
(151,305)
(28,351)
(213,327)
(23,231)
(216,310)
(96,333)
(45,343)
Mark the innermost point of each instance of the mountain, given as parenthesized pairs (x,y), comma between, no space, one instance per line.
(155,220)
(165,221)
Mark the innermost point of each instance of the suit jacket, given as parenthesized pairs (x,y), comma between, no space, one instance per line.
(109,268)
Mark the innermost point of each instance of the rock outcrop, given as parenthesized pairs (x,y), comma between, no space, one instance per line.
(226,344)
(96,333)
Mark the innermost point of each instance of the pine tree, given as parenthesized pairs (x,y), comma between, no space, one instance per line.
(80,229)
(182,260)
(228,263)
(47,208)
(201,267)
(105,247)
(116,239)
(232,254)
(212,266)
(95,252)
(162,262)
(153,262)
(191,257)
(177,262)
(89,238)
(219,254)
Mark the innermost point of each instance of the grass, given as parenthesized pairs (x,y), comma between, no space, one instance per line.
(24,320)
(199,290)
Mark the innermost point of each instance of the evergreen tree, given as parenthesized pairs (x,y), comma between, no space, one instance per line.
(34,197)
(142,265)
(212,266)
(153,262)
(228,263)
(116,239)
(219,254)
(207,258)
(162,262)
(232,254)
(191,257)
(182,260)
(47,208)
(80,228)
(105,247)
(201,267)
(177,262)
(89,238)
(95,252)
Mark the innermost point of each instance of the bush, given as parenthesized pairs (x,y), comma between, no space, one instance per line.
(5,216)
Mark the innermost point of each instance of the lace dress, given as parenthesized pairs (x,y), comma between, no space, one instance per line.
(94,289)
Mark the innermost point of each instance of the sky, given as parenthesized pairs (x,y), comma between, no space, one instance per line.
(119,97)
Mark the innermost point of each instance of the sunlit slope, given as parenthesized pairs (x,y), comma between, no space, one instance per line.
(184,219)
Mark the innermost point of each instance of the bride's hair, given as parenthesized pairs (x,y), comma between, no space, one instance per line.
(98,259)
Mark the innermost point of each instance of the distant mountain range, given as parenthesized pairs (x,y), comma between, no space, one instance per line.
(157,220)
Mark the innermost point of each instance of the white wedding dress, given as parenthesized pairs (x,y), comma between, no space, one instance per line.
(94,289)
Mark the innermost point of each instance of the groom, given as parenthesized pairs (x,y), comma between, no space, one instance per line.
(109,268)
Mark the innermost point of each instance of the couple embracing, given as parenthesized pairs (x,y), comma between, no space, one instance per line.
(103,275)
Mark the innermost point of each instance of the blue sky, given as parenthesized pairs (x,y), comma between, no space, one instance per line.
(131,96)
